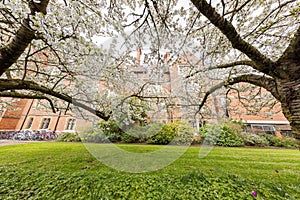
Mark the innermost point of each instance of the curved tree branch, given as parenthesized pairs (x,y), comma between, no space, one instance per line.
(28,96)
(263,64)
(17,84)
(258,80)
(262,81)
(224,66)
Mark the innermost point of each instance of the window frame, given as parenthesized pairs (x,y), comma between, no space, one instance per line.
(45,123)
(71,123)
(29,123)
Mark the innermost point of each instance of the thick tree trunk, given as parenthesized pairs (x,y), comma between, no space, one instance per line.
(11,52)
(289,92)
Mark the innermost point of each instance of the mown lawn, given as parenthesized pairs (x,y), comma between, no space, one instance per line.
(68,171)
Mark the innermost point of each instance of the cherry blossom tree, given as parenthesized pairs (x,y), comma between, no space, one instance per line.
(46,44)
(265,35)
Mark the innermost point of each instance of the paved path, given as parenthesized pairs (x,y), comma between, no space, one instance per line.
(12,142)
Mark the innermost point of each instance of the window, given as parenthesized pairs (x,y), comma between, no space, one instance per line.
(260,128)
(71,124)
(37,104)
(29,123)
(45,123)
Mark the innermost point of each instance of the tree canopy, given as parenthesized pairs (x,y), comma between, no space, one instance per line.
(48,46)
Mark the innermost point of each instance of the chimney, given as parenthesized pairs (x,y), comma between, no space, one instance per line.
(167,57)
(138,56)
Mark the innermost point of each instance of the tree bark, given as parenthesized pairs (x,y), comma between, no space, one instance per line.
(285,72)
(290,59)
(17,84)
(10,53)
(289,92)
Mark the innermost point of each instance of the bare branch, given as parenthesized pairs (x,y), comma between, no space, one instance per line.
(224,66)
(258,80)
(263,64)
(273,11)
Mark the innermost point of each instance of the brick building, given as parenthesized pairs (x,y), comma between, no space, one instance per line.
(269,117)
(28,114)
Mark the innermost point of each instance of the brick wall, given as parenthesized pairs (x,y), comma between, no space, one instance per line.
(11,117)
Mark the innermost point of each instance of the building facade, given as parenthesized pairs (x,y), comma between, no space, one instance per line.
(29,114)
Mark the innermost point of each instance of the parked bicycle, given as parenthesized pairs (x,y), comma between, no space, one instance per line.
(36,135)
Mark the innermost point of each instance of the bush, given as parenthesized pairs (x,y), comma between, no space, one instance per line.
(69,137)
(197,139)
(135,134)
(229,138)
(154,128)
(111,130)
(209,134)
(99,137)
(178,133)
(286,142)
(253,139)
(270,138)
(184,134)
(236,126)
(164,136)
(91,135)
(221,135)
(96,137)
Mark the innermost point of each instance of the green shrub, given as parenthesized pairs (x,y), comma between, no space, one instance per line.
(197,139)
(269,137)
(286,142)
(69,137)
(164,136)
(99,137)
(96,137)
(253,139)
(209,134)
(85,134)
(154,128)
(111,130)
(236,126)
(179,133)
(139,134)
(229,138)
(135,134)
(221,135)
(184,134)
(127,138)
(91,135)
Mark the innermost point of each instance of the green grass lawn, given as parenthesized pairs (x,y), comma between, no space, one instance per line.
(68,171)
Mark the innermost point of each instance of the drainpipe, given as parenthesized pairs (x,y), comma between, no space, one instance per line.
(58,118)
(26,114)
